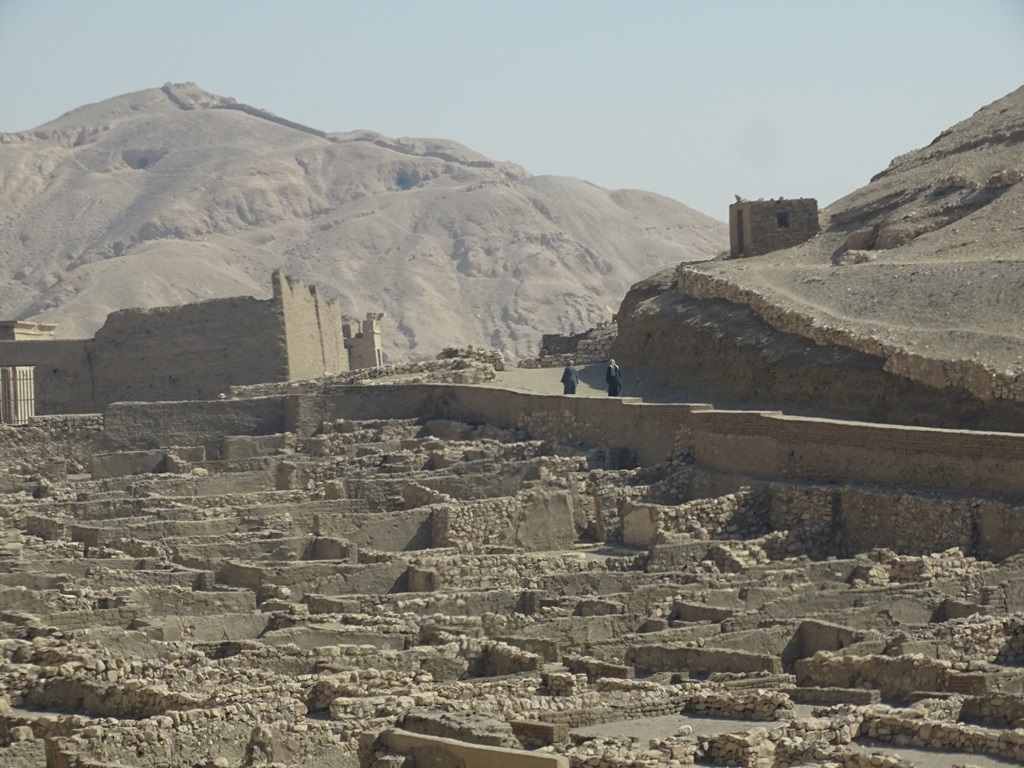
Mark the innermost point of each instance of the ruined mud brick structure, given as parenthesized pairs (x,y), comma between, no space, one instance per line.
(362,342)
(195,351)
(330,576)
(762,226)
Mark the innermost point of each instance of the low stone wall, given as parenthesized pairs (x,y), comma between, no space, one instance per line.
(881,723)
(48,440)
(967,483)
(533,520)
(675,657)
(896,677)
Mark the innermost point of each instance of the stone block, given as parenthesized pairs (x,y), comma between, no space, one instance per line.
(438,752)
(533,733)
(546,522)
(640,525)
(105,465)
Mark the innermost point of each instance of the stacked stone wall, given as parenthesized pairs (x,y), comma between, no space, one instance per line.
(981,381)
(51,444)
(592,346)
(936,470)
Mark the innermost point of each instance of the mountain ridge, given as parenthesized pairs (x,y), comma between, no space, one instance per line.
(173,195)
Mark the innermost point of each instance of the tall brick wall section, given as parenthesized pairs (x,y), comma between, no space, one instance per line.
(332,342)
(315,345)
(192,352)
(63,378)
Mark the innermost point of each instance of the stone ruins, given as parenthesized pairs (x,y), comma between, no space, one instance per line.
(190,352)
(763,226)
(399,567)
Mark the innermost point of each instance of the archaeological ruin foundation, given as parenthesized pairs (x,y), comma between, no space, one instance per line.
(399,567)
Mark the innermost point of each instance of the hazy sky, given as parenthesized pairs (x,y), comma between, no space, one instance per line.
(694,99)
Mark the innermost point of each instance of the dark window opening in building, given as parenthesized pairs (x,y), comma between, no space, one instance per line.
(782,220)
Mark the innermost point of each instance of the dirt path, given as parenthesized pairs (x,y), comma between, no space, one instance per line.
(547,381)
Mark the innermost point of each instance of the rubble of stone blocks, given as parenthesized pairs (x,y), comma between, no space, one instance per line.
(471,365)
(392,588)
(591,346)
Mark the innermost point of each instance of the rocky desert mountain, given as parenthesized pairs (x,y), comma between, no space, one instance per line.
(912,292)
(174,195)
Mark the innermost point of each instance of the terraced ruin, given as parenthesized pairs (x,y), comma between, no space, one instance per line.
(434,591)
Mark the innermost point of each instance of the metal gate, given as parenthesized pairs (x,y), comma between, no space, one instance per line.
(17,394)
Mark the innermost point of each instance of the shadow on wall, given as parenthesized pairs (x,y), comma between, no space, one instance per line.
(593,376)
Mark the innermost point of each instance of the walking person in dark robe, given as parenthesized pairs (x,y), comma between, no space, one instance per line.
(569,379)
(614,378)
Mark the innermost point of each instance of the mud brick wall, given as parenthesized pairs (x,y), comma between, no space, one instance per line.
(51,445)
(62,377)
(312,331)
(142,426)
(191,352)
(196,351)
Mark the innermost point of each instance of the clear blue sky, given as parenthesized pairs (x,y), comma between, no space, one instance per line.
(693,99)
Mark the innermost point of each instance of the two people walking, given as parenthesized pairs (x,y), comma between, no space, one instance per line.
(612,377)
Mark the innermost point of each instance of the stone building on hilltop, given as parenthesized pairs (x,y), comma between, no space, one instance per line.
(763,226)
(192,352)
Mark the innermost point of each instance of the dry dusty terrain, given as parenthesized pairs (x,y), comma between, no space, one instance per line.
(174,195)
(939,235)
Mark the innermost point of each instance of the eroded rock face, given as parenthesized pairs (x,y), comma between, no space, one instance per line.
(391,588)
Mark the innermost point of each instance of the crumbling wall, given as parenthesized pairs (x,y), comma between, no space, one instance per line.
(312,329)
(742,444)
(591,346)
(195,351)
(49,444)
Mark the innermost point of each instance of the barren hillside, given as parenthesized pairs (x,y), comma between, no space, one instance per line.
(941,235)
(917,276)
(175,195)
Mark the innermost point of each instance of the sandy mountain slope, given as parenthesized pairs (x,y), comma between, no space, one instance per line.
(174,195)
(926,261)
